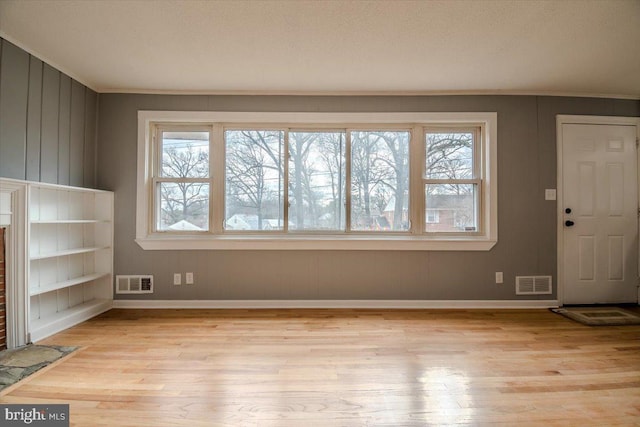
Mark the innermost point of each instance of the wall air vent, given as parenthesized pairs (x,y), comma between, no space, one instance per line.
(134,284)
(533,285)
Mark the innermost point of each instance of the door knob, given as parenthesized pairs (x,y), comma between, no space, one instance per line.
(569,223)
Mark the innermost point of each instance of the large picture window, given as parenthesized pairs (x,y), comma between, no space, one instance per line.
(342,181)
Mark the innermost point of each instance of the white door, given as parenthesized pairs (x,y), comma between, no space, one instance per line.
(599,213)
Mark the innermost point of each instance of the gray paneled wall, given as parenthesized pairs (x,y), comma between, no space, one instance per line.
(527,223)
(47,122)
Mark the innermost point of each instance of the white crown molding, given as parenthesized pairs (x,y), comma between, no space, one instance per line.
(300,304)
(370,93)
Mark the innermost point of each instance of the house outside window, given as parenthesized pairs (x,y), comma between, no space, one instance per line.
(453,179)
(433,216)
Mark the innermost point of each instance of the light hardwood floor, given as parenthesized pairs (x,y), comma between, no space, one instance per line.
(342,367)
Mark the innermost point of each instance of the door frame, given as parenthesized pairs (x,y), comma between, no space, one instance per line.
(563,119)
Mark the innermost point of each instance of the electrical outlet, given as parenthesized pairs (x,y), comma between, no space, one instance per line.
(188,278)
(499,277)
(177,279)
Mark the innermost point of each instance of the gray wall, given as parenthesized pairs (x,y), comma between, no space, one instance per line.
(47,133)
(47,122)
(527,224)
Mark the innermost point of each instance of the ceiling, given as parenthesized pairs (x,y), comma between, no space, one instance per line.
(584,47)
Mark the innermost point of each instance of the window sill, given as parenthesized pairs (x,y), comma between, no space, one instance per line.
(311,242)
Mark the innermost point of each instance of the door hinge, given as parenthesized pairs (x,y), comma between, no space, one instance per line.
(637,142)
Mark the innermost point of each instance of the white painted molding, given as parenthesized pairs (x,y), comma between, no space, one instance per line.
(372,304)
(17,271)
(310,242)
(563,119)
(387,93)
(76,316)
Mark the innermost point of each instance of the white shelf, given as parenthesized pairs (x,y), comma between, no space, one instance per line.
(67,252)
(69,221)
(44,327)
(67,283)
(70,235)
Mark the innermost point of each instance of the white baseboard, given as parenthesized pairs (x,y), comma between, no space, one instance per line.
(69,318)
(379,304)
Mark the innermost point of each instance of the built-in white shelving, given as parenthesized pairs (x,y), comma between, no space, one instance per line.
(70,250)
(67,283)
(66,252)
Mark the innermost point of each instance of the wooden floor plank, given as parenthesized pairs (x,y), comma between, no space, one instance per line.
(342,368)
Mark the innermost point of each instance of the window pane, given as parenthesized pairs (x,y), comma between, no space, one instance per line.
(185,154)
(451,208)
(379,181)
(449,155)
(254,186)
(183,206)
(316,180)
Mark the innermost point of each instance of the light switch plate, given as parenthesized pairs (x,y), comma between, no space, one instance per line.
(550,194)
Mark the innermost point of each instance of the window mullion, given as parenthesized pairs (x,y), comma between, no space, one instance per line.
(347,183)
(417,161)
(217,179)
(286,204)
(152,159)
(478,167)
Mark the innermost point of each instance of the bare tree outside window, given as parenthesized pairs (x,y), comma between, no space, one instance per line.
(380,180)
(183,186)
(452,185)
(254,195)
(316,180)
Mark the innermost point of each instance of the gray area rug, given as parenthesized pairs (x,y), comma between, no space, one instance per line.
(599,316)
(19,363)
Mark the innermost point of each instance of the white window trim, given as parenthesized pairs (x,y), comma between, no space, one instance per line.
(410,241)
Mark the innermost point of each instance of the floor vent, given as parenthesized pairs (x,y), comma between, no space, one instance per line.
(134,284)
(533,285)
